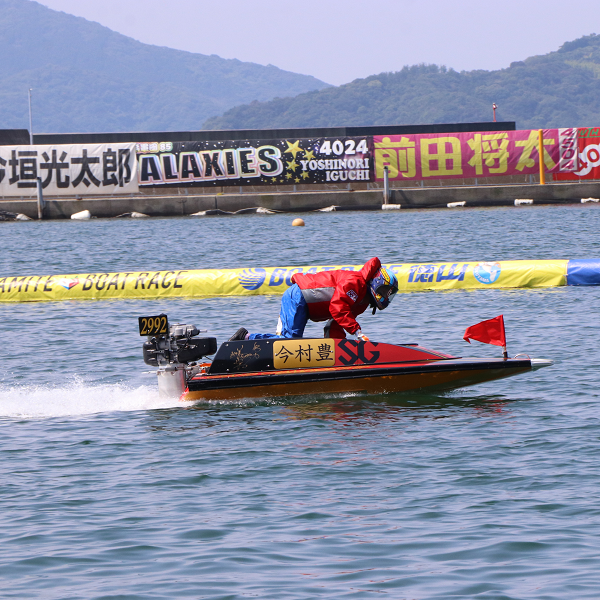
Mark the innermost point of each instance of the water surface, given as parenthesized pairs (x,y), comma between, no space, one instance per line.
(107,491)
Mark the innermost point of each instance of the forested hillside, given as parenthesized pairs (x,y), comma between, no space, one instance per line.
(86,77)
(559,89)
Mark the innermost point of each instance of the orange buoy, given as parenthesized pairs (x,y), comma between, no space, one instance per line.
(297,223)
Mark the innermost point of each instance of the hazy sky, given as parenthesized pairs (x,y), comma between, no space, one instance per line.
(341,40)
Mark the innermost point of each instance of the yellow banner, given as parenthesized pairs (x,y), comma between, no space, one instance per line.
(273,280)
(468,275)
(296,354)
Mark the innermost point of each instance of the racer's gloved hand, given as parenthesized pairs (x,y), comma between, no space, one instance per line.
(361,336)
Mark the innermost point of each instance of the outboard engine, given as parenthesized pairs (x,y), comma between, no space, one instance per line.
(174,349)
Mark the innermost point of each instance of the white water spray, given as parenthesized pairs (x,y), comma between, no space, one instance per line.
(78,398)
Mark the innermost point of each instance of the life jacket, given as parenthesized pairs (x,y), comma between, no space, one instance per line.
(338,295)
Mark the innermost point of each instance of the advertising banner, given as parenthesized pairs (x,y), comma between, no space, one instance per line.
(588,164)
(68,169)
(255,162)
(412,277)
(470,155)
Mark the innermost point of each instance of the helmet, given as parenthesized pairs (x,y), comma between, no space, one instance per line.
(383,288)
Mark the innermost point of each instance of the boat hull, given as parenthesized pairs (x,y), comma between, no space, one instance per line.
(367,379)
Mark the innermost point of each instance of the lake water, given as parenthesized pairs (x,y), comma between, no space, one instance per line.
(108,492)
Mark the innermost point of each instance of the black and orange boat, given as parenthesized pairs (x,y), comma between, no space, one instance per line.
(306,366)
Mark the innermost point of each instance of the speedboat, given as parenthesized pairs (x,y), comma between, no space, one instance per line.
(306,366)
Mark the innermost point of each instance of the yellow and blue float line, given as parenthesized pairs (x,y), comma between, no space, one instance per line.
(412,277)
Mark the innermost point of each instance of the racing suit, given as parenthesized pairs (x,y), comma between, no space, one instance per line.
(337,296)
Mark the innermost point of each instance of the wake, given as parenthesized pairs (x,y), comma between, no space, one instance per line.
(77,398)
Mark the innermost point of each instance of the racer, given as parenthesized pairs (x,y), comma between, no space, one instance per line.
(337,297)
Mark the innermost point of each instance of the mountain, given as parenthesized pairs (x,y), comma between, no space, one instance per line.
(87,78)
(559,89)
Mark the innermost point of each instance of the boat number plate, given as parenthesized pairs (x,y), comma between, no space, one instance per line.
(158,325)
(302,353)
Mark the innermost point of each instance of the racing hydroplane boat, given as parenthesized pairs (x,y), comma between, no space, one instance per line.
(306,366)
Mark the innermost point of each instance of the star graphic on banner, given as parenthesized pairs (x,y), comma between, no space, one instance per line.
(305,175)
(273,179)
(292,165)
(293,149)
(297,180)
(308,155)
(288,175)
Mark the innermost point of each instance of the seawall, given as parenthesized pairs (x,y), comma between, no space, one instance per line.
(409,198)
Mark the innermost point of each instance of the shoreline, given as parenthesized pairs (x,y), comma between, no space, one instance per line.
(402,198)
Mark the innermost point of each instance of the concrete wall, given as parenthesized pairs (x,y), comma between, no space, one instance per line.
(504,195)
(415,198)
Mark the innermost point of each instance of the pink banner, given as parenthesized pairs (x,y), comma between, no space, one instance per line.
(470,155)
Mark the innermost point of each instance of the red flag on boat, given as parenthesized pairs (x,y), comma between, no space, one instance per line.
(488,332)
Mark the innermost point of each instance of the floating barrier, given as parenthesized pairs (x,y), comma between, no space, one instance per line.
(583,272)
(84,215)
(261,210)
(412,277)
(523,201)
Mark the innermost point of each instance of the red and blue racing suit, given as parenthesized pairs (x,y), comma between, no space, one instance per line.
(337,295)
